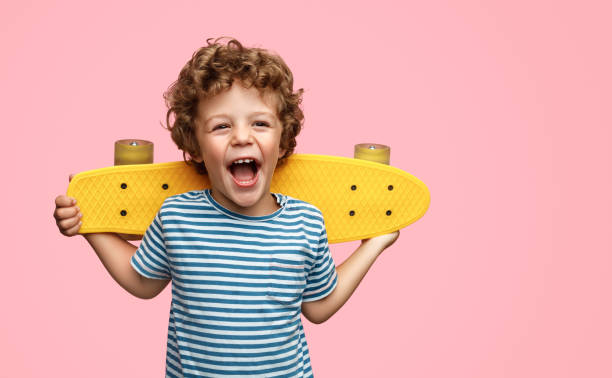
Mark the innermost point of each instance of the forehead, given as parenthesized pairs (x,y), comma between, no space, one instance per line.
(238,99)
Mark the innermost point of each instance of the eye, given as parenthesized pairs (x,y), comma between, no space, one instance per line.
(261,123)
(220,127)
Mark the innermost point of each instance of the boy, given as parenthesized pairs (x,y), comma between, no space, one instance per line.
(244,263)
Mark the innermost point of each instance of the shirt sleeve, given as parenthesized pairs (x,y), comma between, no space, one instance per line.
(322,278)
(150,259)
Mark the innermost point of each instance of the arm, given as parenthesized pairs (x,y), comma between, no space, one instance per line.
(114,252)
(350,273)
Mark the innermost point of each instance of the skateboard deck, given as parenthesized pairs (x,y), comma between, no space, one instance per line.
(359,199)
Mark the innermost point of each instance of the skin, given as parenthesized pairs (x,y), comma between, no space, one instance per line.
(240,132)
(235,124)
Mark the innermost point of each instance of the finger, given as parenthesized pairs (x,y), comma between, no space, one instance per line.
(66,212)
(73,230)
(69,223)
(64,201)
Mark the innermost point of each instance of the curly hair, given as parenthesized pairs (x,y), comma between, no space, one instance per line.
(211,70)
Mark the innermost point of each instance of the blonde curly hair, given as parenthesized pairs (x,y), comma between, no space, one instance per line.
(211,70)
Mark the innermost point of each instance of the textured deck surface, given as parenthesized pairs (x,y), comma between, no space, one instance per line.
(359,199)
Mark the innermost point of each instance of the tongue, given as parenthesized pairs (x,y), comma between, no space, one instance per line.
(242,172)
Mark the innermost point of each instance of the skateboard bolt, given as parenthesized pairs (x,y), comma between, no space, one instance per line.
(133,143)
(388,212)
(123,186)
(352,212)
(354,187)
(123,213)
(390,187)
(372,147)
(165,186)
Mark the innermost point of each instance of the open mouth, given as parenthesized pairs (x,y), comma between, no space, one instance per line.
(244,171)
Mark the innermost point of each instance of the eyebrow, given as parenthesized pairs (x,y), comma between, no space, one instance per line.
(223,115)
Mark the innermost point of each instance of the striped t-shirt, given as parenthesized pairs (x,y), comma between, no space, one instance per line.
(237,284)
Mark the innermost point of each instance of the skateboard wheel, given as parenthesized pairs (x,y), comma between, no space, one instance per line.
(133,151)
(373,152)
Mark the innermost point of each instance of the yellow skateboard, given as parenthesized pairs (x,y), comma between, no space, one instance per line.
(359,199)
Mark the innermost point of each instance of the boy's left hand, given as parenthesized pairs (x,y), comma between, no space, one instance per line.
(350,274)
(382,241)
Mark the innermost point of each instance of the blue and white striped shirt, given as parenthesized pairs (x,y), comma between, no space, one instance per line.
(237,284)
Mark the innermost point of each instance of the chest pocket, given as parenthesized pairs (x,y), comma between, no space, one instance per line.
(286,282)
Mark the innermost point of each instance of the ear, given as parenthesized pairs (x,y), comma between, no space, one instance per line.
(281,152)
(197,158)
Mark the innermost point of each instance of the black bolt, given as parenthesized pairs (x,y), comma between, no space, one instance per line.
(352,212)
(123,186)
(390,187)
(165,186)
(123,213)
(354,187)
(388,212)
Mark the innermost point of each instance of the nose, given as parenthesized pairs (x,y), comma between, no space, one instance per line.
(241,134)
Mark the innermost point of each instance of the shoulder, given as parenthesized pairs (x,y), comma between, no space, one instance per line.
(303,209)
(182,201)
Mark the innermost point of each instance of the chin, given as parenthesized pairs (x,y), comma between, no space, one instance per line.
(244,200)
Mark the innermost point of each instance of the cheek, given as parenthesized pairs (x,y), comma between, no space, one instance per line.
(273,148)
(210,156)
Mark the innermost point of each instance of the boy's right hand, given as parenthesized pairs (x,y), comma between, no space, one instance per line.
(67,214)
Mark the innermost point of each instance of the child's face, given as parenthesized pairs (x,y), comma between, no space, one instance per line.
(240,124)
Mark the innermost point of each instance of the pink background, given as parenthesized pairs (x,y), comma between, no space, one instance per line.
(503,110)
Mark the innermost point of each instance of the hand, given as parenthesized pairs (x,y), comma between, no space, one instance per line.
(382,241)
(67,214)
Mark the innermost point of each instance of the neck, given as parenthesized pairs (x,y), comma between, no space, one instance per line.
(262,208)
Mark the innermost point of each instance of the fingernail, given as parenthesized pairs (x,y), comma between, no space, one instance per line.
(80,215)
(73,201)
(77,208)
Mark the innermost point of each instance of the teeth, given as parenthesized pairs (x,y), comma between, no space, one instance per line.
(240,161)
